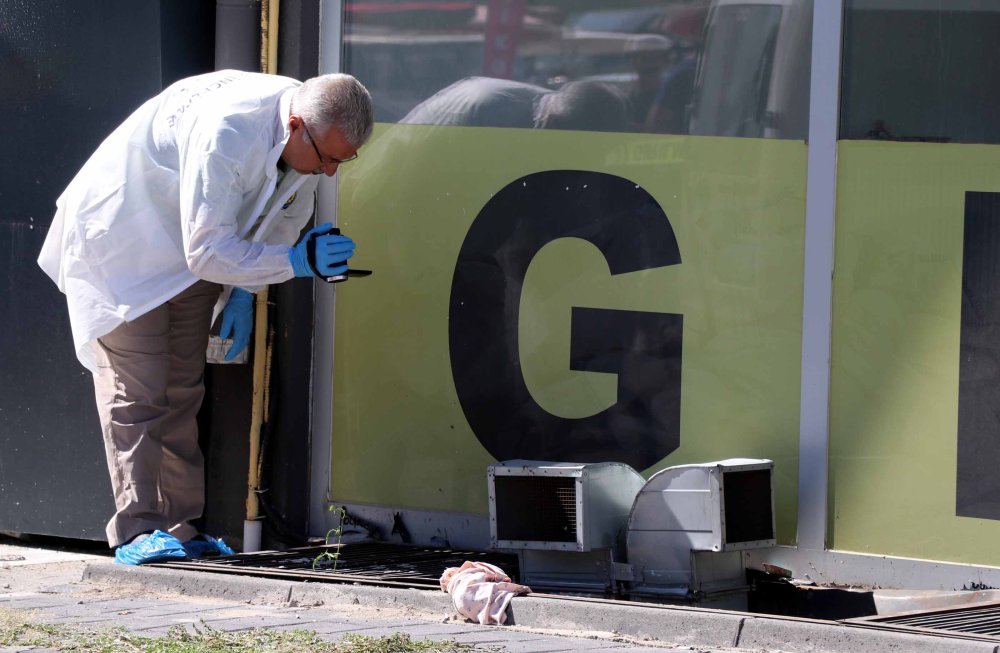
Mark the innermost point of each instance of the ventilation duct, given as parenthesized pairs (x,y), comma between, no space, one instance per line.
(600,527)
(690,525)
(566,521)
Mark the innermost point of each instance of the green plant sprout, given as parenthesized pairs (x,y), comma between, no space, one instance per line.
(339,533)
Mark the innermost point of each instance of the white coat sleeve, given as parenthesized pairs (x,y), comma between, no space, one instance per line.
(288,227)
(212,185)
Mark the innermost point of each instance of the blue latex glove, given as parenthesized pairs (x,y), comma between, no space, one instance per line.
(332,252)
(237,319)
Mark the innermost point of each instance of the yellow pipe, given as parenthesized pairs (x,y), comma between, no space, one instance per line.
(272,37)
(260,357)
(265,35)
(262,347)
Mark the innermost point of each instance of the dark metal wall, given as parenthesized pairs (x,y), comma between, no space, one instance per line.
(72,71)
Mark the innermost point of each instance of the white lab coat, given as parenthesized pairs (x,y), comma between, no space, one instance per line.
(185,189)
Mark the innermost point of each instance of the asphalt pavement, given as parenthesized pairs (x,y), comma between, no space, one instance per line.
(70,587)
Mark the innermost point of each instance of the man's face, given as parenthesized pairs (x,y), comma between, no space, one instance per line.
(322,156)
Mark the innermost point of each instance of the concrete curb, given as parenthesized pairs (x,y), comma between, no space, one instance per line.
(645,621)
(267,591)
(722,628)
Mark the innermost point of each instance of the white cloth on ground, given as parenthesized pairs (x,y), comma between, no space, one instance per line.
(480,591)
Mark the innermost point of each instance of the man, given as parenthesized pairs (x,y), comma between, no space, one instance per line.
(195,201)
(668,113)
(651,56)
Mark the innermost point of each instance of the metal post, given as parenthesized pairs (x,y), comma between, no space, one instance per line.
(331,42)
(821,194)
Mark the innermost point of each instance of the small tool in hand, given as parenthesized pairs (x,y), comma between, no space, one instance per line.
(311,256)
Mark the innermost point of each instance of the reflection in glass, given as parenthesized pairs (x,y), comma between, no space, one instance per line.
(921,71)
(712,67)
(744,38)
(491,102)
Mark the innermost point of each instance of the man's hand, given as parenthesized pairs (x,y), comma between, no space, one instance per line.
(237,319)
(332,252)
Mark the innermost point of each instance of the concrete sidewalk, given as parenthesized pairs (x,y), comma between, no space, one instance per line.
(87,589)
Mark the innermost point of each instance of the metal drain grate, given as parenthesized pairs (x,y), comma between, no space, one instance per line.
(368,563)
(979,621)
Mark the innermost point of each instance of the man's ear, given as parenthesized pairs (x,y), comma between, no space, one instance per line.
(294,122)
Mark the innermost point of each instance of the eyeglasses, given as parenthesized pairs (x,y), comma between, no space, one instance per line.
(326,160)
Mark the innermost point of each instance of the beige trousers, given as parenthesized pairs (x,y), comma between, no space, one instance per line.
(149,386)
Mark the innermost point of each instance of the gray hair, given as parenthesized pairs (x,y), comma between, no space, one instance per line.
(336,100)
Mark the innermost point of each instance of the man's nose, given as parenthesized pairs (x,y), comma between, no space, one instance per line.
(330,169)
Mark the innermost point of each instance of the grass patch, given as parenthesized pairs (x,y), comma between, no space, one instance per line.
(16,630)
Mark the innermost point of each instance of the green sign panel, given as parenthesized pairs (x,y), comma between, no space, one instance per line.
(913,450)
(565,296)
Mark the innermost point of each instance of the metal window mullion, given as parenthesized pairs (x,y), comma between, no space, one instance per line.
(817,305)
(331,41)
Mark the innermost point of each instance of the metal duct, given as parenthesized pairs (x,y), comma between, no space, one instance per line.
(690,523)
(565,520)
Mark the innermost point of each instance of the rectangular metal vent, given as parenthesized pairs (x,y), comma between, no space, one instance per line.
(747,506)
(536,508)
(979,621)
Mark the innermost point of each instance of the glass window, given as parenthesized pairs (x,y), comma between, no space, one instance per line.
(709,67)
(735,68)
(921,70)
